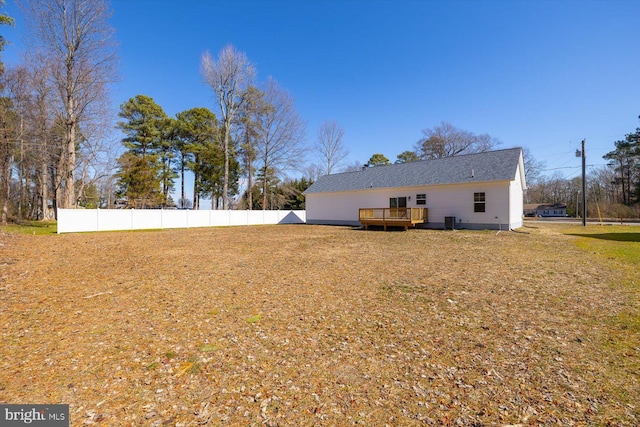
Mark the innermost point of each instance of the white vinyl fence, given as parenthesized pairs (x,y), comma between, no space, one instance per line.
(78,220)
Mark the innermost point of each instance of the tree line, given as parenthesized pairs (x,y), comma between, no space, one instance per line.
(56,149)
(56,143)
(443,140)
(54,109)
(257,137)
(612,191)
(161,149)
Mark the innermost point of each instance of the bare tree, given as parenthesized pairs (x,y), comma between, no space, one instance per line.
(281,133)
(77,41)
(313,171)
(16,89)
(253,108)
(4,20)
(354,167)
(26,95)
(8,133)
(229,77)
(532,166)
(97,163)
(330,146)
(602,185)
(41,123)
(445,140)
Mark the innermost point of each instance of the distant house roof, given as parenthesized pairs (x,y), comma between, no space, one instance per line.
(499,165)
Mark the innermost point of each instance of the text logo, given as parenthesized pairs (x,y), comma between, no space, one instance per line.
(34,415)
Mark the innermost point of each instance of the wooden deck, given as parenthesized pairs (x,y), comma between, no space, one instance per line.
(395,217)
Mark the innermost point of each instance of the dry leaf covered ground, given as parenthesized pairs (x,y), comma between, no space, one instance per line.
(310,325)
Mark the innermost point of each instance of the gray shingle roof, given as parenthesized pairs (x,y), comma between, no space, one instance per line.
(499,165)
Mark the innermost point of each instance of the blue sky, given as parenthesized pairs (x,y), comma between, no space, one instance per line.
(537,74)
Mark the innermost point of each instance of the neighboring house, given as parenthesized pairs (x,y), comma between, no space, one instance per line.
(545,209)
(482,191)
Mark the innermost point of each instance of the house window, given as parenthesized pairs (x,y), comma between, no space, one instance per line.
(398,202)
(421,199)
(478,202)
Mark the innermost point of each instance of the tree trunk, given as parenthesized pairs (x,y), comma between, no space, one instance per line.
(165,180)
(264,188)
(196,177)
(42,179)
(82,184)
(70,189)
(629,185)
(182,182)
(69,149)
(6,188)
(225,183)
(623,181)
(59,182)
(250,169)
(21,176)
(250,187)
(44,188)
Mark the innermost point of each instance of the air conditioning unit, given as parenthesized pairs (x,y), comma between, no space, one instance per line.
(449,222)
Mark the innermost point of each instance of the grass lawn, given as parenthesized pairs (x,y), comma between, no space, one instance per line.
(31,227)
(310,325)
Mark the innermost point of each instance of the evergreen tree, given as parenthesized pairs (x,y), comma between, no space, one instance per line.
(208,166)
(143,177)
(407,156)
(196,131)
(293,191)
(625,160)
(4,20)
(139,181)
(378,160)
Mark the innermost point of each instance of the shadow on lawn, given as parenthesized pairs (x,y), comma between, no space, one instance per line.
(618,237)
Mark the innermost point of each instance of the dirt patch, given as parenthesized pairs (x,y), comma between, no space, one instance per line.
(307,325)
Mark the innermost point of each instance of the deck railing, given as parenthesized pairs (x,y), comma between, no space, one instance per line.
(391,214)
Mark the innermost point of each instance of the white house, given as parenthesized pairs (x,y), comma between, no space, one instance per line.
(482,191)
(545,209)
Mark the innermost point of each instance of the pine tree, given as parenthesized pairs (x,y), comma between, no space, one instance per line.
(142,178)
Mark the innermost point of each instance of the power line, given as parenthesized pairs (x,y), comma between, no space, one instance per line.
(574,167)
(563,167)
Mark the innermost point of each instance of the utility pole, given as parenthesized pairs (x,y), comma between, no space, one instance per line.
(581,153)
(584,187)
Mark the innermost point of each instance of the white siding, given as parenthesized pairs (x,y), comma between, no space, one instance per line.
(442,201)
(516,203)
(503,203)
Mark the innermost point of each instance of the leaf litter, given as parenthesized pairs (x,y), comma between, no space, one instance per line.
(311,325)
